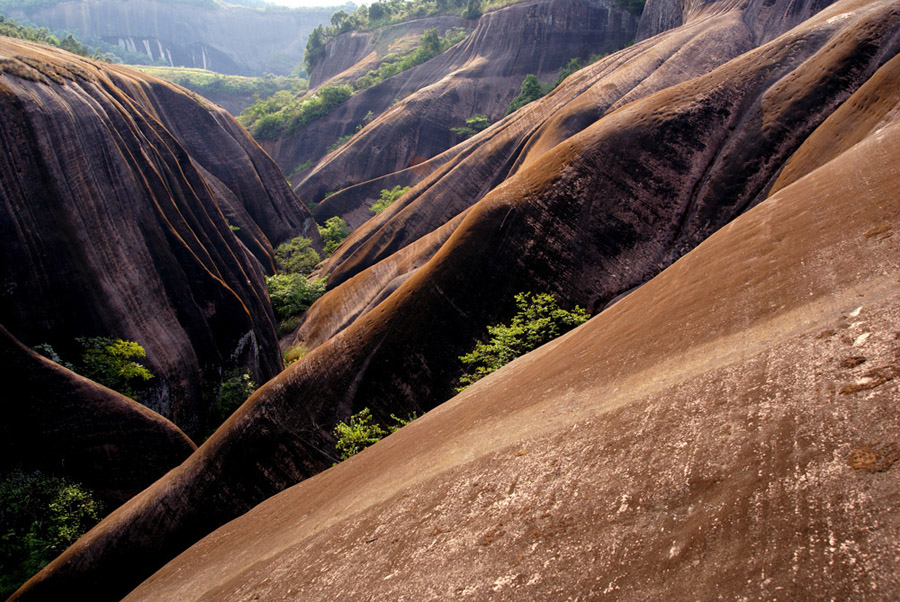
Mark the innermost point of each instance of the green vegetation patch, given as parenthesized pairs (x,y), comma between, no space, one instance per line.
(284,113)
(40,516)
(114,363)
(539,319)
(42,35)
(232,390)
(333,233)
(387,197)
(430,45)
(210,83)
(474,124)
(296,256)
(361,431)
(293,294)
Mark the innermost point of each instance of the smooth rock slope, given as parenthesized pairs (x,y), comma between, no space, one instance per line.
(588,194)
(727,430)
(118,196)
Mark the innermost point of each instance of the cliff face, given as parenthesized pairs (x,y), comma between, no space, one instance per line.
(588,194)
(119,193)
(415,110)
(218,37)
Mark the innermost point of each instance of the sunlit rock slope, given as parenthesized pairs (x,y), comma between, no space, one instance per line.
(729,430)
(589,193)
(118,195)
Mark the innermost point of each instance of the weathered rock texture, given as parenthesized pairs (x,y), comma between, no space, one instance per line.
(218,37)
(729,430)
(66,425)
(118,192)
(414,110)
(588,194)
(352,54)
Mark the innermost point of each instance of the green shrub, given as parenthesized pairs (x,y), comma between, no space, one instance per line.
(538,320)
(233,390)
(358,434)
(296,256)
(111,362)
(333,233)
(292,294)
(474,124)
(571,67)
(40,516)
(340,141)
(295,353)
(284,113)
(530,91)
(288,326)
(361,432)
(387,197)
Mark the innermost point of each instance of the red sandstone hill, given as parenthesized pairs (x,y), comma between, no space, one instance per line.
(412,113)
(724,393)
(727,431)
(118,192)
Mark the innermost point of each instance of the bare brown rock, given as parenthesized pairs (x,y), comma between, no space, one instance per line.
(688,441)
(118,195)
(588,194)
(64,424)
(414,110)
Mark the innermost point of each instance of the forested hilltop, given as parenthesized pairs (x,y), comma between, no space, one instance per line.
(224,37)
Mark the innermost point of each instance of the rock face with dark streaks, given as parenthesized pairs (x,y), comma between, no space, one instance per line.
(351,54)
(415,110)
(119,193)
(215,36)
(587,193)
(63,424)
(729,430)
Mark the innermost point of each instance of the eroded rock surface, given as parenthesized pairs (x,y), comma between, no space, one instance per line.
(587,193)
(414,110)
(705,434)
(119,192)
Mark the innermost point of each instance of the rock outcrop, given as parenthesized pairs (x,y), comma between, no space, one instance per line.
(119,192)
(412,113)
(728,430)
(350,55)
(63,424)
(588,193)
(220,37)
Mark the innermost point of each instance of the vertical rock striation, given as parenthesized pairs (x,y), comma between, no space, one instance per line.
(112,226)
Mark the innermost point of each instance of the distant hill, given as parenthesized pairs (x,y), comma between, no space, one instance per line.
(225,38)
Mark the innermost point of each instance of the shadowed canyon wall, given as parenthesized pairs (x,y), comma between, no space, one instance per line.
(66,425)
(586,193)
(120,194)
